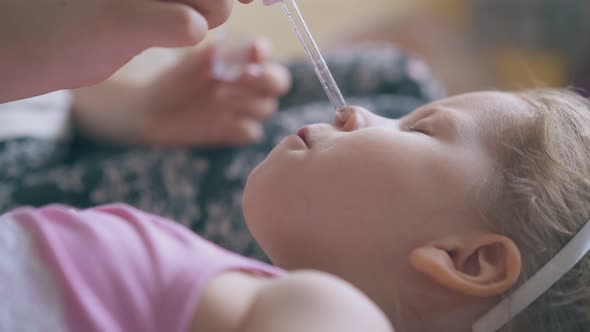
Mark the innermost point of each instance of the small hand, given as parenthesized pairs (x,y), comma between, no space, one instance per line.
(187,106)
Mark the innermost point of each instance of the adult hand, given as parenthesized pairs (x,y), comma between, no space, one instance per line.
(60,44)
(185,105)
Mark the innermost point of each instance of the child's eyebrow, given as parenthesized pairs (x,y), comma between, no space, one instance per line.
(450,118)
(444,119)
(419,114)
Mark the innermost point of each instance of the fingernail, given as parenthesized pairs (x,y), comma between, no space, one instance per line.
(254,70)
(264,44)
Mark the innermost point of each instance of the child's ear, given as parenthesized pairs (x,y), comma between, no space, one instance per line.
(479,265)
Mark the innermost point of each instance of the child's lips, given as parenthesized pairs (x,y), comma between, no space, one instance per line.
(303,134)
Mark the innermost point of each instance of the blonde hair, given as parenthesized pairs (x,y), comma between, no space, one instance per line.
(541,198)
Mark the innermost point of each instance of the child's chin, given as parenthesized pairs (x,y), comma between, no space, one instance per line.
(255,191)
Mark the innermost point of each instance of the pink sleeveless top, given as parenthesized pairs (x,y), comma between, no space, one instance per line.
(111,268)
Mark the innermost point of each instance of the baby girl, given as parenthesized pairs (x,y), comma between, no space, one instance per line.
(419,224)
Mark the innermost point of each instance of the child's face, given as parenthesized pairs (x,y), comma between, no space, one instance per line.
(357,196)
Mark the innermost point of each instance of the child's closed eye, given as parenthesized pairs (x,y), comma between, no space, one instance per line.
(421,126)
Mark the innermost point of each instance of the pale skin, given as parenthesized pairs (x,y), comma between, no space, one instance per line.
(388,206)
(184,105)
(384,204)
(301,301)
(64,44)
(170,110)
(79,43)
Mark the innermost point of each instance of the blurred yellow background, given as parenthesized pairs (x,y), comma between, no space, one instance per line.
(334,22)
(329,20)
(443,46)
(437,30)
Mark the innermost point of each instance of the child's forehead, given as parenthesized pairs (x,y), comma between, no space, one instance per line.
(488,107)
(492,116)
(486,101)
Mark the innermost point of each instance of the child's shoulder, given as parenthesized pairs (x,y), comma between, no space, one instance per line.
(317,302)
(115,264)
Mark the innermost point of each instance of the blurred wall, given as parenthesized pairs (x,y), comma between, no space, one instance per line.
(328,20)
(462,40)
(331,22)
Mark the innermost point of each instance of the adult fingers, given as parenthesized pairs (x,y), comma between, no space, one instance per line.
(242,102)
(216,12)
(213,130)
(196,63)
(166,24)
(241,131)
(260,50)
(267,79)
(227,130)
(259,109)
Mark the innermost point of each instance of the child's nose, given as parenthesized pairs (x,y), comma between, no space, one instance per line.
(350,119)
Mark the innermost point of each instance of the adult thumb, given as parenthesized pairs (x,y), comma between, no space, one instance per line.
(170,24)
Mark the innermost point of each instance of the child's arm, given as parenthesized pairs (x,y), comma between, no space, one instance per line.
(311,302)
